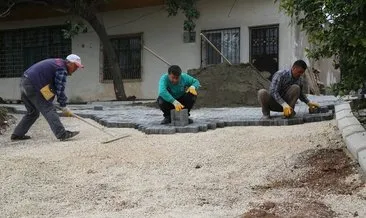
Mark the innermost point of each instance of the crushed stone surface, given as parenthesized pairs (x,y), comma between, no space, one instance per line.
(211,174)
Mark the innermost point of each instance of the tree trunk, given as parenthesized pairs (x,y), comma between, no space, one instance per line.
(111,55)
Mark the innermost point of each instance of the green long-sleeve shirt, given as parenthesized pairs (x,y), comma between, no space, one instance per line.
(170,92)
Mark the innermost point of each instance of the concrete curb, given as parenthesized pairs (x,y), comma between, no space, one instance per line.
(353,133)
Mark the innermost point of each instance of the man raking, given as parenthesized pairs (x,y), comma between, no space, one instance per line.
(39,86)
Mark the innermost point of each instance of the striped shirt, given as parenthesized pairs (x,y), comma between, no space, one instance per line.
(281,82)
(60,82)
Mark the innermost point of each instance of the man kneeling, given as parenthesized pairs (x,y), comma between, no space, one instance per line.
(285,90)
(177,90)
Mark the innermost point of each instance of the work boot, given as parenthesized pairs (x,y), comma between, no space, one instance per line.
(19,138)
(165,121)
(68,135)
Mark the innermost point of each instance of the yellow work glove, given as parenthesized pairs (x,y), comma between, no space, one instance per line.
(67,112)
(287,110)
(192,90)
(178,106)
(313,105)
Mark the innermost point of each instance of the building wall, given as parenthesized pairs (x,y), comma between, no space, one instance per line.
(165,36)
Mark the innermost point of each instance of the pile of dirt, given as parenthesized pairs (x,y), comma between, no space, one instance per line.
(224,85)
(290,209)
(325,171)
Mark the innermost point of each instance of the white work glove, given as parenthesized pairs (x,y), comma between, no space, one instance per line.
(178,106)
(67,112)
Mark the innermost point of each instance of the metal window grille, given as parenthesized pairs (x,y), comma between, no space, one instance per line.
(128,50)
(20,48)
(227,41)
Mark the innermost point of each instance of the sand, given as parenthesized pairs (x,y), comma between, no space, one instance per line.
(212,174)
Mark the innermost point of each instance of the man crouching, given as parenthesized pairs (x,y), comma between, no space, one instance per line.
(177,90)
(285,90)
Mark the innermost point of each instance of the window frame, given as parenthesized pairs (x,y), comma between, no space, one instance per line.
(102,57)
(222,31)
(18,53)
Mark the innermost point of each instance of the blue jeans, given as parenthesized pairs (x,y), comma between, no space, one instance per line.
(35,103)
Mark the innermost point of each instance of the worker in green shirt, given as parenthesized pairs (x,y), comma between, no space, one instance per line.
(177,91)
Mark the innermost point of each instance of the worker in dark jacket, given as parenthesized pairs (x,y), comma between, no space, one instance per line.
(177,91)
(286,88)
(39,86)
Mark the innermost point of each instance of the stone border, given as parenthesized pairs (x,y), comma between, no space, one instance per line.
(353,133)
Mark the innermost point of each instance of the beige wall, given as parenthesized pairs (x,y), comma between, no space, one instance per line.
(165,36)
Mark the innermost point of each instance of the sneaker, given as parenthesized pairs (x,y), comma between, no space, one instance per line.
(19,138)
(190,121)
(68,135)
(165,121)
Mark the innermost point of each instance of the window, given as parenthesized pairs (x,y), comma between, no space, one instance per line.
(20,48)
(128,50)
(227,41)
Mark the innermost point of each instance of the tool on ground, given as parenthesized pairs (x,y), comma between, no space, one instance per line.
(115,138)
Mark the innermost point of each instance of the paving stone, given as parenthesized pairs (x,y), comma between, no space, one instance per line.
(356,143)
(352,130)
(347,121)
(220,124)
(212,126)
(344,113)
(340,107)
(179,118)
(187,129)
(203,128)
(362,160)
(98,107)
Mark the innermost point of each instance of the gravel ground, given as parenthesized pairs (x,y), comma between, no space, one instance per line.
(211,174)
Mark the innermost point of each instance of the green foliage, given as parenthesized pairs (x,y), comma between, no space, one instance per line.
(336,28)
(188,8)
(74,29)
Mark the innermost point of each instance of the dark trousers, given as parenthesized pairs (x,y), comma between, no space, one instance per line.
(268,103)
(35,103)
(187,100)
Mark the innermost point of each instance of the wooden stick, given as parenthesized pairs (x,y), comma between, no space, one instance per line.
(213,46)
(156,55)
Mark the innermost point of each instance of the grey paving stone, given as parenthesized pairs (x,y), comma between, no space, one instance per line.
(98,107)
(347,121)
(356,143)
(362,159)
(212,126)
(187,129)
(343,106)
(179,118)
(352,130)
(344,113)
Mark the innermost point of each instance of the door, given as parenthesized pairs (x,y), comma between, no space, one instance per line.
(264,48)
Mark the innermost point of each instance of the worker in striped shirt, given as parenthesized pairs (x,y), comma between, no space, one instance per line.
(286,88)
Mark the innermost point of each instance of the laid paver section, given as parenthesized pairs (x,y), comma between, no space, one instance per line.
(148,119)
